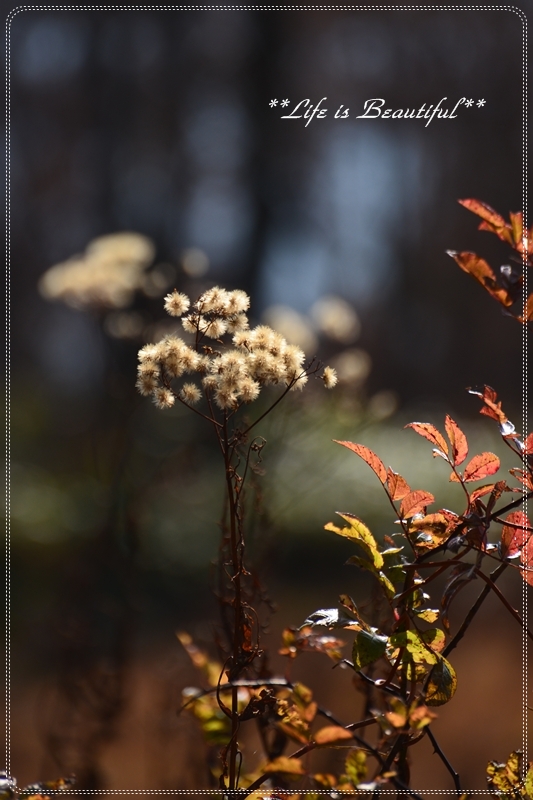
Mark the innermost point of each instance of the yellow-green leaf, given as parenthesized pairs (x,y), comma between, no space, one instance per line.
(355,766)
(428,614)
(442,683)
(414,646)
(367,648)
(358,532)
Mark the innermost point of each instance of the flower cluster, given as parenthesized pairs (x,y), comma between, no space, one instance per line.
(107,274)
(231,375)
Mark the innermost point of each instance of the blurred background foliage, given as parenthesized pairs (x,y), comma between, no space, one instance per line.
(159,122)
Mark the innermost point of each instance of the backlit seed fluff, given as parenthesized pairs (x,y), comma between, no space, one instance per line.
(190,393)
(237,323)
(190,323)
(238,301)
(215,328)
(249,390)
(163,398)
(329,377)
(300,382)
(176,304)
(146,383)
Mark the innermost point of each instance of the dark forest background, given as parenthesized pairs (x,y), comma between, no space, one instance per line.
(159,122)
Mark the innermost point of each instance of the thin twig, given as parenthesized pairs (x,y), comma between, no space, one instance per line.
(438,751)
(473,611)
(504,600)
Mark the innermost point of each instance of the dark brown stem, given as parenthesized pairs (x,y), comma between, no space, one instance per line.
(438,751)
(504,600)
(510,506)
(473,611)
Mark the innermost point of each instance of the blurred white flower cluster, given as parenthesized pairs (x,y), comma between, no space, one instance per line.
(106,275)
(231,375)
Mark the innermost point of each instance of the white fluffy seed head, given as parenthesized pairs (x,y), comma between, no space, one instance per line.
(146,383)
(249,390)
(238,301)
(300,382)
(176,303)
(237,323)
(190,393)
(214,328)
(329,377)
(163,398)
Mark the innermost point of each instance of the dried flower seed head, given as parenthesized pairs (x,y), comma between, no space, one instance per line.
(300,382)
(243,339)
(238,302)
(262,336)
(225,398)
(210,383)
(214,300)
(329,377)
(148,367)
(190,393)
(147,383)
(176,304)
(293,358)
(191,323)
(249,390)
(214,328)
(190,359)
(163,398)
(237,323)
(149,352)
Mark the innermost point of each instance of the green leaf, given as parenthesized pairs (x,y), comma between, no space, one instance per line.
(355,766)
(442,683)
(367,648)
(435,639)
(390,591)
(357,531)
(415,647)
(428,614)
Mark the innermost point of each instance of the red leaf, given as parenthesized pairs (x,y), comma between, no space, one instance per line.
(373,461)
(415,502)
(457,439)
(528,445)
(398,486)
(481,466)
(479,269)
(429,431)
(526,559)
(492,221)
(513,539)
(492,407)
(523,476)
(481,491)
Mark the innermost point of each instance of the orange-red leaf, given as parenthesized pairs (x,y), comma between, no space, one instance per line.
(523,476)
(513,539)
(479,269)
(373,461)
(481,466)
(430,432)
(492,406)
(528,445)
(517,226)
(332,733)
(492,221)
(398,486)
(457,439)
(415,502)
(481,491)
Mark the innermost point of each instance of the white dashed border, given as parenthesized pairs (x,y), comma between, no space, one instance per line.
(431,7)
